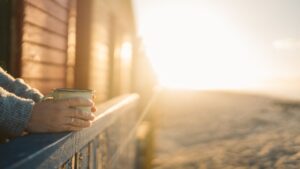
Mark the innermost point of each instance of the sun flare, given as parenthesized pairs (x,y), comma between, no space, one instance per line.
(203,51)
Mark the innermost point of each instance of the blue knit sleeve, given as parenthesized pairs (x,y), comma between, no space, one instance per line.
(18,87)
(15,112)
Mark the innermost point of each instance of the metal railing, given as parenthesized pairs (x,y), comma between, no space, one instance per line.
(108,143)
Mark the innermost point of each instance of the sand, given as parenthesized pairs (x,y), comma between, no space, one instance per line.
(202,130)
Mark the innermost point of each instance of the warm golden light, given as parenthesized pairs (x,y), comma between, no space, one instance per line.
(199,49)
(126,51)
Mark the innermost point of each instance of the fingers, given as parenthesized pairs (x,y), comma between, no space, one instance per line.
(93,109)
(78,122)
(77,113)
(58,116)
(72,128)
(73,124)
(76,102)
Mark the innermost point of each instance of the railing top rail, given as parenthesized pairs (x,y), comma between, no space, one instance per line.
(52,150)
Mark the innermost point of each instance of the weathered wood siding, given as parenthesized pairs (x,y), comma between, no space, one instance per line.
(81,44)
(45,40)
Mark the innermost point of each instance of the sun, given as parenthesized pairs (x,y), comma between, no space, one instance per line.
(199,49)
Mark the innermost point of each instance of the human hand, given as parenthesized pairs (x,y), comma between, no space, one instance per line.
(60,115)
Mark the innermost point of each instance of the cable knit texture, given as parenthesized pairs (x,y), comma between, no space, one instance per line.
(16,102)
(18,87)
(15,113)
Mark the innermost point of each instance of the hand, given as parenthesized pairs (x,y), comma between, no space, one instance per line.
(60,115)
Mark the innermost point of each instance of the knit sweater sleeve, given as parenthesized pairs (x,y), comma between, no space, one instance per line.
(18,87)
(15,113)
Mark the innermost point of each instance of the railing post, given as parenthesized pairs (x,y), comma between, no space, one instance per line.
(88,148)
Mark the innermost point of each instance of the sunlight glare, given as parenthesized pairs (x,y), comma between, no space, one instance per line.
(199,49)
(126,51)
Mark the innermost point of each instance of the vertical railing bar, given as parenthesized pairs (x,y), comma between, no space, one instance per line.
(94,153)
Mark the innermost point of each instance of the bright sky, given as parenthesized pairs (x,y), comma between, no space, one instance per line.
(228,44)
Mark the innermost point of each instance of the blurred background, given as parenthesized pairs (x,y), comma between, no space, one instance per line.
(236,45)
(229,74)
(218,80)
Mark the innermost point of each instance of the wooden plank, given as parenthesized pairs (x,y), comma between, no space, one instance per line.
(71,51)
(51,8)
(71,55)
(83,158)
(43,54)
(101,153)
(126,125)
(5,33)
(33,143)
(93,149)
(83,43)
(68,164)
(43,37)
(64,3)
(37,70)
(70,77)
(45,86)
(35,16)
(53,150)
(113,140)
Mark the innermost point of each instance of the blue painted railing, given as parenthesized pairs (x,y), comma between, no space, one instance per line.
(108,143)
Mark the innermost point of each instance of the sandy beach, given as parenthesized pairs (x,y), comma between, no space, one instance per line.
(211,130)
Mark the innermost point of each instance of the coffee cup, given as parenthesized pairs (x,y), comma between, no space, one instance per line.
(66,93)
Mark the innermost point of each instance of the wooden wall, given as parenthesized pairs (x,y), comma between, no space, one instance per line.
(45,43)
(100,44)
(82,44)
(123,46)
(100,61)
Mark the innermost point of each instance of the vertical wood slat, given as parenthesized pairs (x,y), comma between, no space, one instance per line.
(102,150)
(17,8)
(91,161)
(71,52)
(83,39)
(68,164)
(83,158)
(95,155)
(99,47)
(116,72)
(4,33)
